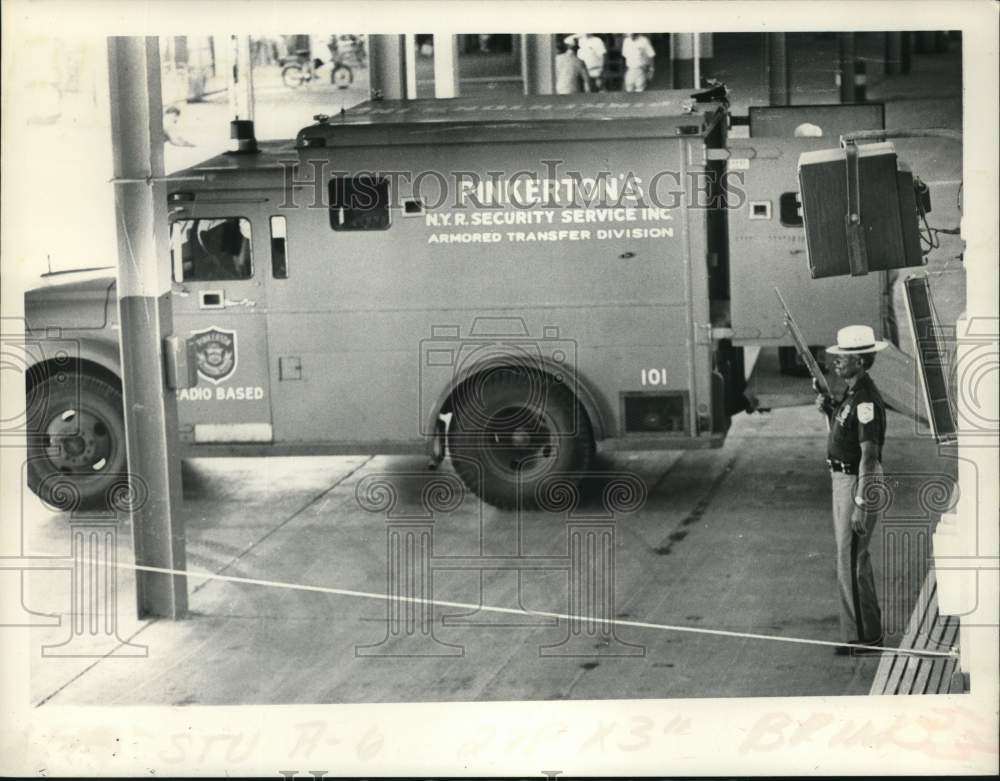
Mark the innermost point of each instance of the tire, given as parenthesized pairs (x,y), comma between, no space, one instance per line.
(510,430)
(292,76)
(341,76)
(76,451)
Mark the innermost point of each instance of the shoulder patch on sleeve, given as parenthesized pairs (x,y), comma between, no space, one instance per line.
(866,412)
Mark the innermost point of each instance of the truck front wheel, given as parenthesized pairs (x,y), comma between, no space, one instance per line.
(76,451)
(510,430)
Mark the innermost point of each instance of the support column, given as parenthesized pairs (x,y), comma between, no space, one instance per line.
(845,68)
(690,55)
(445,66)
(410,64)
(240,77)
(779,89)
(387,66)
(146,317)
(538,60)
(893,57)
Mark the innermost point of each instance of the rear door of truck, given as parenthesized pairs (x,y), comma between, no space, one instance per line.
(767,240)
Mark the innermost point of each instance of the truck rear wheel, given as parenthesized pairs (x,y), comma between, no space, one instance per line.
(77,447)
(510,429)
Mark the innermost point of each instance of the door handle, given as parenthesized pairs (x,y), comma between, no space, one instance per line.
(216,299)
(242,302)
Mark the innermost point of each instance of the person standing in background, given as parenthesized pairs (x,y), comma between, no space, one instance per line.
(571,73)
(639,54)
(594,53)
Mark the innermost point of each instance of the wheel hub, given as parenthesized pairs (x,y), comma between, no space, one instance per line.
(78,440)
(74,446)
(523,446)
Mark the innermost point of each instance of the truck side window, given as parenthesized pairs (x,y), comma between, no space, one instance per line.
(279,248)
(359,203)
(211,249)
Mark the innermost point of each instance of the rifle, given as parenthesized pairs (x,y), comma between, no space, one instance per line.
(802,348)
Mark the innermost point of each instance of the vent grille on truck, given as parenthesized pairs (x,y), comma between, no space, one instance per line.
(655,413)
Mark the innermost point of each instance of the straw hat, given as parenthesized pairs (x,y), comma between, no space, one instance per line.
(856,340)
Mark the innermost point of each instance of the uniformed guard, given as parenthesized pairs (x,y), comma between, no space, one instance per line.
(854,455)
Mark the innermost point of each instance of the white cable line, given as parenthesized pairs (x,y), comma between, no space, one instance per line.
(547,614)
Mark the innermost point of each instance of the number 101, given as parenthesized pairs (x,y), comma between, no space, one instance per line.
(654,376)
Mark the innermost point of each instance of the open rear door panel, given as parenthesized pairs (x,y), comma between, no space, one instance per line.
(767,249)
(767,240)
(896,376)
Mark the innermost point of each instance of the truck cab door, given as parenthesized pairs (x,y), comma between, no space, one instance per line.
(219,255)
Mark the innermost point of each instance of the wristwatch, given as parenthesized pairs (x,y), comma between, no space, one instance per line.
(858,501)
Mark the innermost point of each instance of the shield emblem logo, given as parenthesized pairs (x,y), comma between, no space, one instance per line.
(216,351)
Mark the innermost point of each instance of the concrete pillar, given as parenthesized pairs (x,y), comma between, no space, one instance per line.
(445,66)
(146,318)
(893,56)
(690,56)
(538,64)
(410,64)
(387,66)
(845,68)
(239,75)
(778,77)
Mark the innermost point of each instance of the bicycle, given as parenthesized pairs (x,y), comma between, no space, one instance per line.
(299,69)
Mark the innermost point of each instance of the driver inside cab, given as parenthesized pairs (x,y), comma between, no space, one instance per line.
(220,250)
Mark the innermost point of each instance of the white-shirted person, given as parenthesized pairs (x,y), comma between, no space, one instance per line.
(639,54)
(593,52)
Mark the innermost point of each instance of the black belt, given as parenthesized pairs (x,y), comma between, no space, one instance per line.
(841,466)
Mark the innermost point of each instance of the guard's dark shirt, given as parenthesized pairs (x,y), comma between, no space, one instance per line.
(859,417)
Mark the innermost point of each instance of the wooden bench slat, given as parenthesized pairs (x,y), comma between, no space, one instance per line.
(927,630)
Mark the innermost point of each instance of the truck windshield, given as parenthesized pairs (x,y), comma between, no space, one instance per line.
(211,249)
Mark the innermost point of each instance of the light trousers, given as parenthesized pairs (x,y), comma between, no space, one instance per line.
(636,79)
(860,616)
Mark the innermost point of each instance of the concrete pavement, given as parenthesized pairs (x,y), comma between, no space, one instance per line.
(735,539)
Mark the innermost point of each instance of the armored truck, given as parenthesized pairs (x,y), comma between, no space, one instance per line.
(513,283)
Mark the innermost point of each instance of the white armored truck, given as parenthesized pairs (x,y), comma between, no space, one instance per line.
(511,282)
